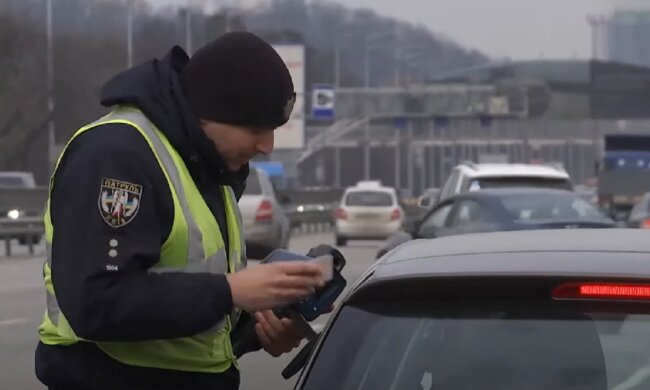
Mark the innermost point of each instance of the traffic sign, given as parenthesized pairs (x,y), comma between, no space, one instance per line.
(323,101)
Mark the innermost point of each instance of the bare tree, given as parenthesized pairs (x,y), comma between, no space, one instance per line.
(22,90)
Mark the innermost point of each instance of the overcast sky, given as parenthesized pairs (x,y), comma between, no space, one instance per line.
(519,29)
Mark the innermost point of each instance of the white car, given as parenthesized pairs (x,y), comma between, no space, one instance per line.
(473,177)
(266,224)
(368,211)
(17,180)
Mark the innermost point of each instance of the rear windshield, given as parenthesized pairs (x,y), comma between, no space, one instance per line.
(487,346)
(12,182)
(550,207)
(253,186)
(369,198)
(512,182)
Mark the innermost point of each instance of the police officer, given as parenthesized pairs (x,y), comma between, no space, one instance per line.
(145,273)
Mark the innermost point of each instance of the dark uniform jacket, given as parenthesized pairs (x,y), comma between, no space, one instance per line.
(132,304)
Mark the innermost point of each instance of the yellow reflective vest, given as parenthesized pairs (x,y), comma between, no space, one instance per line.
(194,244)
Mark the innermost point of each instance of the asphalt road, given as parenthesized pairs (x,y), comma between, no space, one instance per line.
(22,300)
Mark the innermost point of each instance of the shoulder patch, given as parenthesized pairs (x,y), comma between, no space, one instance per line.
(119,201)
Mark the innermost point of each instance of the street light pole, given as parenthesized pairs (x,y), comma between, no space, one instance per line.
(366,65)
(188,27)
(51,130)
(337,66)
(397,54)
(129,34)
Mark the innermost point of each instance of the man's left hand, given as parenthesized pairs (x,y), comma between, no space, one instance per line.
(277,336)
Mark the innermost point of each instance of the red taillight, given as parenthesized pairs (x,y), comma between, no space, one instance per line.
(264,211)
(622,291)
(645,224)
(341,214)
(395,215)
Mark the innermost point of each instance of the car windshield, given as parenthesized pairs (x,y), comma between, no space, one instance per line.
(369,199)
(510,182)
(550,207)
(253,186)
(642,209)
(11,182)
(489,346)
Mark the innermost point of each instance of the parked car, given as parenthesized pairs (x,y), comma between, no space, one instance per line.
(469,176)
(19,180)
(503,209)
(266,224)
(640,215)
(537,310)
(368,211)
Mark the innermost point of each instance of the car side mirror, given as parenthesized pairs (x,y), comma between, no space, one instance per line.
(425,202)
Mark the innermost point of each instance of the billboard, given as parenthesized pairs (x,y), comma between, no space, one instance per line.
(292,134)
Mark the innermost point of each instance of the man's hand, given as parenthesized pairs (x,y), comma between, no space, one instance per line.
(267,286)
(277,336)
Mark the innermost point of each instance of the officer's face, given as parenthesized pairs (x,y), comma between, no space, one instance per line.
(236,144)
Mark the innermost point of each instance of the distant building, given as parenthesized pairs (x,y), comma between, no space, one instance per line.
(622,37)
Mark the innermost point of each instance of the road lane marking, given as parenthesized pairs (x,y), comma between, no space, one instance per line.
(14,321)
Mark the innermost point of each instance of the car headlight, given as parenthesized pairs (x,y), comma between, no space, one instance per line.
(13,214)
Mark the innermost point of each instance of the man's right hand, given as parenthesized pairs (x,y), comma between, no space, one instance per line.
(267,286)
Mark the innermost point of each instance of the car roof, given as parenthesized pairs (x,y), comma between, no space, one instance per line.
(561,252)
(15,174)
(387,190)
(514,191)
(513,170)
(27,177)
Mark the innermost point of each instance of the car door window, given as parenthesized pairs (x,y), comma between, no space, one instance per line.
(641,210)
(468,212)
(450,186)
(435,221)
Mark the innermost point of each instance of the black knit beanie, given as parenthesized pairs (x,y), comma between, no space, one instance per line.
(239,79)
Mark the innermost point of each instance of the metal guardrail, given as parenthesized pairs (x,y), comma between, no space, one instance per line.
(28,231)
(313,196)
(311,218)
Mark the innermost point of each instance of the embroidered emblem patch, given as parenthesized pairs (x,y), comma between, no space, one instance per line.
(119,201)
